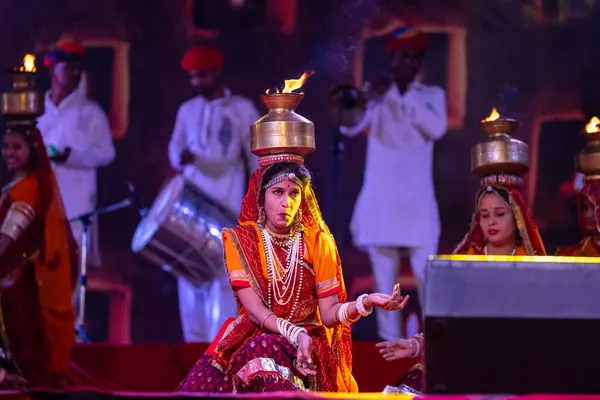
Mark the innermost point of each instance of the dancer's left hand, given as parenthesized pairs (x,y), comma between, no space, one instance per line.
(395,302)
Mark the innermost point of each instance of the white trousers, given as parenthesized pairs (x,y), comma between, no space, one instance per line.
(203,310)
(385,262)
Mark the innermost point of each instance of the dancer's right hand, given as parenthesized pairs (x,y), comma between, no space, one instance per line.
(304,362)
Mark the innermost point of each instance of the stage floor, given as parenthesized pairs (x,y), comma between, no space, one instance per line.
(160,368)
(106,395)
(103,371)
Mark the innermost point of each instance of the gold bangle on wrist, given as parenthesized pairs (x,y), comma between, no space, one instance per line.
(262,325)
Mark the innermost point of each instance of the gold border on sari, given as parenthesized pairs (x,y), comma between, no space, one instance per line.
(262,364)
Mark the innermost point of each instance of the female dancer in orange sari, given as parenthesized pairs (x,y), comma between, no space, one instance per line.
(588,201)
(36,255)
(292,331)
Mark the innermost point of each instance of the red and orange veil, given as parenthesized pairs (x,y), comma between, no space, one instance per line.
(509,185)
(590,192)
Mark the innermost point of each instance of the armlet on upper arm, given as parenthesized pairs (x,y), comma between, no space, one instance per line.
(18,218)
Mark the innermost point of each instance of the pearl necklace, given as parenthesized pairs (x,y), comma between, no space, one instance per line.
(283,240)
(512,254)
(282,279)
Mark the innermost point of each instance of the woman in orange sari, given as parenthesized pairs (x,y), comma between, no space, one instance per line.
(588,201)
(36,255)
(293,327)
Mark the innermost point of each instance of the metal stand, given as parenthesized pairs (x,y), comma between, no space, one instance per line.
(336,205)
(80,332)
(85,220)
(341,98)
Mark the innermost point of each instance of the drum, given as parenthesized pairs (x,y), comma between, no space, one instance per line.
(182,232)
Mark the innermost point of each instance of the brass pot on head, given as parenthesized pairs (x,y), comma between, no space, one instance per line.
(501,153)
(23,102)
(588,160)
(282,130)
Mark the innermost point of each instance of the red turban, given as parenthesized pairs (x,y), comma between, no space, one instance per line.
(201,58)
(406,38)
(73,48)
(67,51)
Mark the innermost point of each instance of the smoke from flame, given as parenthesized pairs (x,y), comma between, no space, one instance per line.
(592,126)
(494,115)
(293,84)
(28,63)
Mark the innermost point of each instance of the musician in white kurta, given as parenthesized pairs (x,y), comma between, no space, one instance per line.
(78,128)
(210,145)
(396,208)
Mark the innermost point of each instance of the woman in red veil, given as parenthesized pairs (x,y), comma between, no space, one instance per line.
(293,328)
(37,253)
(502,223)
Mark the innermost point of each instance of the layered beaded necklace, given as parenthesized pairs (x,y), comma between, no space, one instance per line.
(285,281)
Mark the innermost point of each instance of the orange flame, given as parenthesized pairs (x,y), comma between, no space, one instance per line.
(592,126)
(293,84)
(28,63)
(494,115)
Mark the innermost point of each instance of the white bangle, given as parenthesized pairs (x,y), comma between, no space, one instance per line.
(294,337)
(284,327)
(295,334)
(343,314)
(289,331)
(360,306)
(417,344)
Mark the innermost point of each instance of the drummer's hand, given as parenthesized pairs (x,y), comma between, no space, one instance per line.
(61,157)
(187,157)
(376,86)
